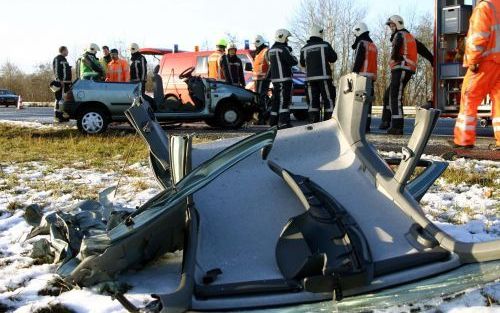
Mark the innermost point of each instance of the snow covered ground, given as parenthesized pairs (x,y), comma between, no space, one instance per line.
(468,212)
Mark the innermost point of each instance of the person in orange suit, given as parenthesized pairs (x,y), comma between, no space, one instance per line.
(482,58)
(118,69)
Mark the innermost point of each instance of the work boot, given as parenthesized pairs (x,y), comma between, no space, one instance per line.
(455,146)
(384,125)
(395,131)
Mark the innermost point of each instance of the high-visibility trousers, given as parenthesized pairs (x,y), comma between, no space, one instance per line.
(475,87)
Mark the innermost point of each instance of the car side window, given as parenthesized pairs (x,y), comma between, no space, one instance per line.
(201,65)
(244,59)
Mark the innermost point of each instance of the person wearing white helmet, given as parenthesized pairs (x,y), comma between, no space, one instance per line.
(63,80)
(403,63)
(90,67)
(217,62)
(261,66)
(365,61)
(281,60)
(316,57)
(235,67)
(260,73)
(138,66)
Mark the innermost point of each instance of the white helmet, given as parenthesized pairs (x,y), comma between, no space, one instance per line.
(397,20)
(133,47)
(258,41)
(93,48)
(360,29)
(316,31)
(232,46)
(282,35)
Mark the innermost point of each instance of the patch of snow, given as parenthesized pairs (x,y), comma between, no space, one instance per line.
(466,212)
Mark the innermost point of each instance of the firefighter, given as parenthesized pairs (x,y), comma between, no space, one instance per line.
(261,82)
(281,61)
(217,62)
(261,66)
(90,67)
(62,74)
(403,63)
(317,56)
(482,58)
(365,61)
(235,67)
(138,67)
(118,69)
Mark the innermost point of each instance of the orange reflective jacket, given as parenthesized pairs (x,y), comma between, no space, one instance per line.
(369,68)
(483,39)
(407,53)
(261,65)
(214,66)
(118,71)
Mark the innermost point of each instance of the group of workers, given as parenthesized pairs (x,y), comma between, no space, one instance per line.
(274,65)
(109,68)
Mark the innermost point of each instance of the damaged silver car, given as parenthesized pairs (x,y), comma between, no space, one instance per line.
(316,215)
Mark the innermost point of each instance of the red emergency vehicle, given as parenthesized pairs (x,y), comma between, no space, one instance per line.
(172,63)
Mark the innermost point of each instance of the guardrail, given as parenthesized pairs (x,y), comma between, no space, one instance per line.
(376,110)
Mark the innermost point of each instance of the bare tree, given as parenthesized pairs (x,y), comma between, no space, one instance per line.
(338,18)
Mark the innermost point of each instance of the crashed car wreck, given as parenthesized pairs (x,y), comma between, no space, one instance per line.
(316,215)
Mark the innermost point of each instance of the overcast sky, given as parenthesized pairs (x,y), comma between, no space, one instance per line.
(32,30)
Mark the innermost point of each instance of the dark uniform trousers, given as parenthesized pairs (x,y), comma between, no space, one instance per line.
(393,98)
(325,89)
(282,97)
(262,88)
(65,87)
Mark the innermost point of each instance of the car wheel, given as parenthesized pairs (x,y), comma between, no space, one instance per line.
(229,115)
(301,115)
(93,121)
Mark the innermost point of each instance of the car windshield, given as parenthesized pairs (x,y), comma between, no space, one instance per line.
(5,92)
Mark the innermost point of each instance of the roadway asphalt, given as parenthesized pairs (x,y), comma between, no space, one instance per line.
(45,115)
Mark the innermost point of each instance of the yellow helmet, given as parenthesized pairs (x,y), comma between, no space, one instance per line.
(222,43)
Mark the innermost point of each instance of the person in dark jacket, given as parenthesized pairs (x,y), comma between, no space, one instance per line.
(62,75)
(235,67)
(138,66)
(281,61)
(317,56)
(365,62)
(404,60)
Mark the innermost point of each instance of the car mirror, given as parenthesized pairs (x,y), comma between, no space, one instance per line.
(248,67)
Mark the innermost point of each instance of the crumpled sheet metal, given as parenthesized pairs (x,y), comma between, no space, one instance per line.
(95,243)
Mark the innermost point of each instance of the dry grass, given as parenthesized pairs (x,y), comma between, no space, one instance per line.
(67,147)
(458,176)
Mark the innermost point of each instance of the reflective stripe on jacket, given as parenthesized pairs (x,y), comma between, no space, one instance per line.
(316,57)
(404,55)
(118,71)
(261,66)
(215,69)
(370,54)
(483,38)
(281,62)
